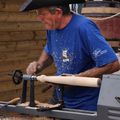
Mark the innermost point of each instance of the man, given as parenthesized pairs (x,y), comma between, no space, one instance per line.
(76,46)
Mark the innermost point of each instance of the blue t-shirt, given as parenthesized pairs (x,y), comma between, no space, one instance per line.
(76,48)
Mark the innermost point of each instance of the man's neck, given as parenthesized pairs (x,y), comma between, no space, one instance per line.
(65,21)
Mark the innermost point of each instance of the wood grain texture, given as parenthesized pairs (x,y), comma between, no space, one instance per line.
(104,10)
(22,35)
(18,17)
(21,26)
(70,80)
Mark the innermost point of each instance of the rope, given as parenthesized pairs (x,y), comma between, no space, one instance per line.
(106,18)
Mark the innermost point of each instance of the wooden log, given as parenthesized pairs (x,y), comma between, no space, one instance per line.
(105,10)
(21,26)
(18,17)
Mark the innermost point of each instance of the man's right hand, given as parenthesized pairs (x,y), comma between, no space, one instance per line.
(32,68)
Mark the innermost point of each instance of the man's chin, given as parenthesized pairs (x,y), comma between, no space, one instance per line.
(49,27)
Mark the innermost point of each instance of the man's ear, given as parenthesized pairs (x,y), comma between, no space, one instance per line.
(59,12)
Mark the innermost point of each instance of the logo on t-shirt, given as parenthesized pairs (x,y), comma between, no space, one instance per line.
(65,56)
(98,52)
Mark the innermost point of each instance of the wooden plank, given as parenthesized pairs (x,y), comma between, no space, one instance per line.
(16,36)
(19,55)
(7,66)
(23,36)
(21,45)
(104,10)
(41,35)
(25,45)
(20,64)
(18,17)
(21,26)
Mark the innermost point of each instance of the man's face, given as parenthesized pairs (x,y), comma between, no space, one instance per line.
(50,21)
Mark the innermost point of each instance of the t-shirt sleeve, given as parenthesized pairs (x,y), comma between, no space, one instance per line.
(99,49)
(46,49)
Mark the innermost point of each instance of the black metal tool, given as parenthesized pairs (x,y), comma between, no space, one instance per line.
(32,95)
(24,91)
(18,77)
(118,99)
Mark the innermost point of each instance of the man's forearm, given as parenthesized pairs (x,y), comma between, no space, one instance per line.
(44,61)
(98,72)
(42,65)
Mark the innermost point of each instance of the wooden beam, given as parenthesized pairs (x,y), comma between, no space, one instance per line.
(22,36)
(21,45)
(21,26)
(16,36)
(19,64)
(13,64)
(19,55)
(17,16)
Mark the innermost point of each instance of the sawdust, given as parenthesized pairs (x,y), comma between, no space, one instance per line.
(15,116)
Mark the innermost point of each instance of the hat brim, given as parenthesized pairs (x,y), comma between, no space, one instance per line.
(36,4)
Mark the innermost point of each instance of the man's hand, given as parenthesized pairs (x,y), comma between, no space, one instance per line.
(43,62)
(32,68)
